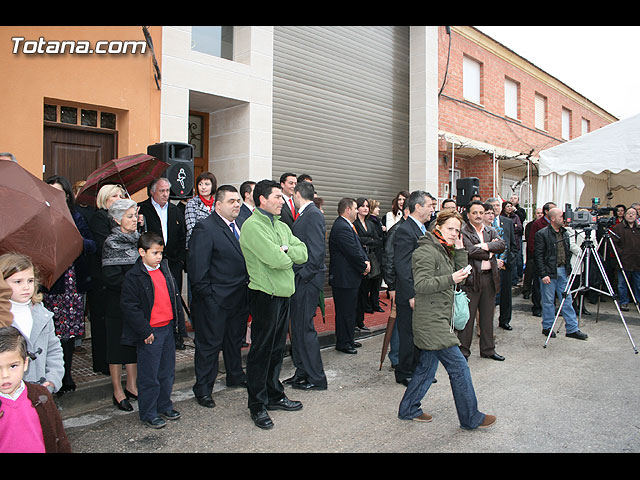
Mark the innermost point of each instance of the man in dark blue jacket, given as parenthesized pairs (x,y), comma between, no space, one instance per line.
(348,262)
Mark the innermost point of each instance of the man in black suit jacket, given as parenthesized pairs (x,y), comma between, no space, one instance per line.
(309,281)
(421,205)
(348,262)
(246,193)
(288,182)
(219,306)
(505,229)
(166,219)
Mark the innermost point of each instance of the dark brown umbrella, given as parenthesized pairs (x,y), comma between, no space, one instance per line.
(35,221)
(388,332)
(133,172)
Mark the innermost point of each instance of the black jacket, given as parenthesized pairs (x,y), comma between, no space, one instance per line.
(546,251)
(136,302)
(175,249)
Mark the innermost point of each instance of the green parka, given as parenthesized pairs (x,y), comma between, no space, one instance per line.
(433,283)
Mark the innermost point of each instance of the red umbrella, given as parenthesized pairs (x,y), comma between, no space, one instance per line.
(133,172)
(388,332)
(35,221)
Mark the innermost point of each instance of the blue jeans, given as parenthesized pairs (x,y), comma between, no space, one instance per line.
(623,290)
(464,395)
(548,292)
(156,373)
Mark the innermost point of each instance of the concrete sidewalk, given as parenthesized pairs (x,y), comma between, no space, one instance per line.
(573,396)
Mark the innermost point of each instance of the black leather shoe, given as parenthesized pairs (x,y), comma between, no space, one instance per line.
(545,332)
(378,309)
(495,356)
(262,419)
(170,415)
(206,401)
(404,381)
(506,326)
(356,344)
(130,395)
(242,384)
(537,314)
(292,380)
(577,334)
(307,385)
(123,404)
(350,350)
(285,404)
(155,423)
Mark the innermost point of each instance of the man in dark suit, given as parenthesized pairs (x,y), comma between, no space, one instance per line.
(288,182)
(421,205)
(219,306)
(166,219)
(309,281)
(348,262)
(507,261)
(246,193)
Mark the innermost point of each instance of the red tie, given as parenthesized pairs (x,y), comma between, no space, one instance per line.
(293,210)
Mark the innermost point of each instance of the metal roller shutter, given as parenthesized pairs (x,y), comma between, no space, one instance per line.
(341,110)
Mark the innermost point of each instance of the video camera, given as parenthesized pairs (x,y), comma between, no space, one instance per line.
(589,218)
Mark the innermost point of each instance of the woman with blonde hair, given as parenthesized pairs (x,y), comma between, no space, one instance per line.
(100,226)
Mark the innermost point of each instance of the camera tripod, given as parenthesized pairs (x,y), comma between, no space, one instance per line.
(588,251)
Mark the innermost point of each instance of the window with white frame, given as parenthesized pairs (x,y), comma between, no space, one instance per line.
(585,126)
(471,77)
(566,124)
(511,89)
(540,106)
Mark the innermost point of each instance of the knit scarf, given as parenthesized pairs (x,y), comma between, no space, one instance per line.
(208,203)
(447,246)
(120,248)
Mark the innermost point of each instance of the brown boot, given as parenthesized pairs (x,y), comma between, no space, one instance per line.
(488,421)
(425,417)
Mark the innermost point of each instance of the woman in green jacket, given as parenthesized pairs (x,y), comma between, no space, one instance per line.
(438,265)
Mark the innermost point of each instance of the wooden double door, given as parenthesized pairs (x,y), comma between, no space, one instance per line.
(74,151)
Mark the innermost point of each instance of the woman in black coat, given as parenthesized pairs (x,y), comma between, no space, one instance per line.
(372,244)
(119,254)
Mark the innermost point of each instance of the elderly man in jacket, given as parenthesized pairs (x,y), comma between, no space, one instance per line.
(483,245)
(553,263)
(270,250)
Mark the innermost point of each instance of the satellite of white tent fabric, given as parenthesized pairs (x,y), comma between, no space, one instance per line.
(604,161)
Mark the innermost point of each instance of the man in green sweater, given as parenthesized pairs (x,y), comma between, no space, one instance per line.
(270,250)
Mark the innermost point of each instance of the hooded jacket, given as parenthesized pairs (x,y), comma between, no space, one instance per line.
(432,268)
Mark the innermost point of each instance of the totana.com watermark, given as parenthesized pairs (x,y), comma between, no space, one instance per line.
(80,47)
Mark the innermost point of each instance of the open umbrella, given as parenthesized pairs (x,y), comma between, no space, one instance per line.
(388,332)
(133,172)
(35,221)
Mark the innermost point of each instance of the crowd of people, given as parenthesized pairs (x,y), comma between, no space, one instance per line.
(256,257)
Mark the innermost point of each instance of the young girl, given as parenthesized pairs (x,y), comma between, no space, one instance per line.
(34,321)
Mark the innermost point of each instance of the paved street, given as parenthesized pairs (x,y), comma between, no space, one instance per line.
(573,396)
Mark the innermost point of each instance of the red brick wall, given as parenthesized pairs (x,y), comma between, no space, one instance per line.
(488,123)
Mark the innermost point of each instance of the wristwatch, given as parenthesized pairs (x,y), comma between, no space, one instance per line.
(285,248)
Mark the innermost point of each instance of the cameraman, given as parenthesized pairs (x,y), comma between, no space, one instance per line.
(553,262)
(627,241)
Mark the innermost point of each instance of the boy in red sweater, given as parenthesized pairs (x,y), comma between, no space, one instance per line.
(29,418)
(151,309)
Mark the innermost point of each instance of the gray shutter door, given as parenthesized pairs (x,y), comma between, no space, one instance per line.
(341,110)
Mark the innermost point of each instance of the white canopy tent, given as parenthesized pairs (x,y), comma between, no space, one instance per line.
(604,163)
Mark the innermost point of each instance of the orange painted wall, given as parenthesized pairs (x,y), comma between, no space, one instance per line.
(122,84)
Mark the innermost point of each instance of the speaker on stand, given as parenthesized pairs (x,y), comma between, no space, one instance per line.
(465,189)
(179,156)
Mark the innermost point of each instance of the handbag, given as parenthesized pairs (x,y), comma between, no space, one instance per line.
(459,310)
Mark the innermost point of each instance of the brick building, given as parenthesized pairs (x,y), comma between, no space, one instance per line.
(497,111)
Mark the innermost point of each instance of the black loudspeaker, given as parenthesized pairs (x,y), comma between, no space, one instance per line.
(466,188)
(179,156)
